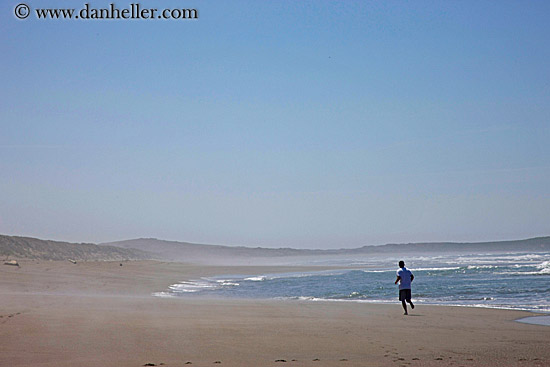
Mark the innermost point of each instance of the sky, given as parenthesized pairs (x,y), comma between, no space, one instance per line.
(306,124)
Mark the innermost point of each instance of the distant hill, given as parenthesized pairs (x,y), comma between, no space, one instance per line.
(191,252)
(33,248)
(151,248)
(537,244)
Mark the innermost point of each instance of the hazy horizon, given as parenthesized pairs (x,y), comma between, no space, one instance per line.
(268,247)
(311,124)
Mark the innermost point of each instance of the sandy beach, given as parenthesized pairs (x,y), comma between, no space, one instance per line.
(104,314)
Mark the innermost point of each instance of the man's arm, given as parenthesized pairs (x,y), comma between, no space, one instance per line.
(398,279)
(412,277)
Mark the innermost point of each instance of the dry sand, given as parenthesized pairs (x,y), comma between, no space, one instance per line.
(103,314)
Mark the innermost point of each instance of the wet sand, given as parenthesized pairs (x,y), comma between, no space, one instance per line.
(103,314)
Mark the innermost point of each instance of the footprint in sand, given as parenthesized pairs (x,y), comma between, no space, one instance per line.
(10,315)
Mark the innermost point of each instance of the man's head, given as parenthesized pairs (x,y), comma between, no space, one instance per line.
(401,264)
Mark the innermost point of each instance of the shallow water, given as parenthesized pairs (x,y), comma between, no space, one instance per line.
(536,320)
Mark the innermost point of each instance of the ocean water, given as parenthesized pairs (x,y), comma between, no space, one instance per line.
(510,281)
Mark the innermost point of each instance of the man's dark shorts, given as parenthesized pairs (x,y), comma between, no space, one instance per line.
(404,294)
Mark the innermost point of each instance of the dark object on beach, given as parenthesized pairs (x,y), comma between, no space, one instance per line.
(149,364)
(188,363)
(316,360)
(72,261)
(120,264)
(11,262)
(280,360)
(218,362)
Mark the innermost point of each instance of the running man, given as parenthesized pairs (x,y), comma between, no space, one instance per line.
(405,278)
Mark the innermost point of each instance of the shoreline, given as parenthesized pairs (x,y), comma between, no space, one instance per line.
(163,270)
(365,302)
(101,313)
(209,281)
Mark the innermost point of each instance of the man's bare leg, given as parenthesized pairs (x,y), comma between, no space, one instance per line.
(405,307)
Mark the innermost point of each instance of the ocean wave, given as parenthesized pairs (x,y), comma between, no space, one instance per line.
(473,267)
(493,259)
(378,271)
(324,273)
(544,267)
(193,286)
(227,282)
(414,269)
(256,279)
(437,269)
(540,272)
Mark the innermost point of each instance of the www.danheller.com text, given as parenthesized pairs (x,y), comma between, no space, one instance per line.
(132,11)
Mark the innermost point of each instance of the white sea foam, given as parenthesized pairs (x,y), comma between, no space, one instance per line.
(493,259)
(540,272)
(544,269)
(257,279)
(378,271)
(471,267)
(437,269)
(545,266)
(227,282)
(412,269)
(518,307)
(192,286)
(261,278)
